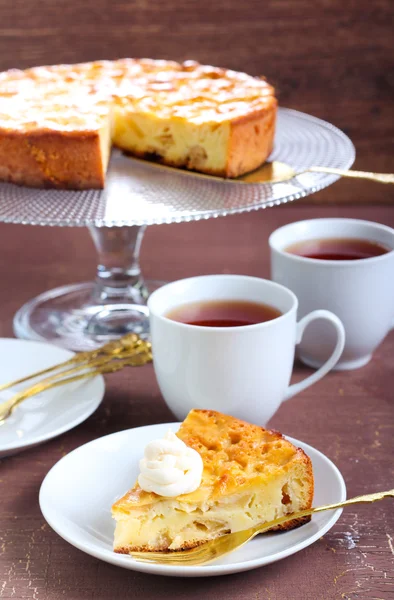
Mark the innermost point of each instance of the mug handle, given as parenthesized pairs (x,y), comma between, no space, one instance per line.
(331,362)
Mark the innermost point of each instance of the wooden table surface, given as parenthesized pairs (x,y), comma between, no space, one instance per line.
(348,416)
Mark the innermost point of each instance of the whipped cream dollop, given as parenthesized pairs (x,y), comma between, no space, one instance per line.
(169,467)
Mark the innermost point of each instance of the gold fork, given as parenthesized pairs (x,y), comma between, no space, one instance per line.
(129,341)
(138,354)
(228,543)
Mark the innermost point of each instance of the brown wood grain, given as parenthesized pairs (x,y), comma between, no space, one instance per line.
(348,415)
(329,58)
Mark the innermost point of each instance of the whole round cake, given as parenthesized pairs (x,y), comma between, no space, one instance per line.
(58,123)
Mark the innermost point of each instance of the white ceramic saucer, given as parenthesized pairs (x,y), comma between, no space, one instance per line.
(51,413)
(77,494)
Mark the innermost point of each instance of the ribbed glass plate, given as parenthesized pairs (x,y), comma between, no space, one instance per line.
(141,193)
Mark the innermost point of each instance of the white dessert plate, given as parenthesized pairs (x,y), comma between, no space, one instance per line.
(51,413)
(77,494)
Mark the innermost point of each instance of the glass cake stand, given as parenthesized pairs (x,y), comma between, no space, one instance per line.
(138,193)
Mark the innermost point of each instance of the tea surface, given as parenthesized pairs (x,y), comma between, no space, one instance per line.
(337,249)
(223,313)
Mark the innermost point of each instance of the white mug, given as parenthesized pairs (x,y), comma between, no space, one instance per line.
(243,371)
(359,292)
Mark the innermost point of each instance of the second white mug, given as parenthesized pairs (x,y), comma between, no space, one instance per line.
(359,292)
(243,371)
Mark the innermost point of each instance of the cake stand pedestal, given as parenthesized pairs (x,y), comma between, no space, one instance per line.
(85,315)
(137,194)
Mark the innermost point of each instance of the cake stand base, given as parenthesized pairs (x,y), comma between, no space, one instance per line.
(70,317)
(85,316)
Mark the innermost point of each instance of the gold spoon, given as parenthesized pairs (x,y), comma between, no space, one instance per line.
(278,172)
(228,543)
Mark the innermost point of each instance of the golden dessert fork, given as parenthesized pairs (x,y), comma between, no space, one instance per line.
(129,341)
(124,353)
(228,543)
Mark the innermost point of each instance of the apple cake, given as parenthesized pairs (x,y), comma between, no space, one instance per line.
(58,123)
(250,475)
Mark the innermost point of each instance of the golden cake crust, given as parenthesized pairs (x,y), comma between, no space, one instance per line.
(52,160)
(64,106)
(237,456)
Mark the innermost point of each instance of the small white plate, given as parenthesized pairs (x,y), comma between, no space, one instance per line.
(77,494)
(51,413)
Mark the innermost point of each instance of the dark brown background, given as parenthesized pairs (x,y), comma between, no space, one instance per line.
(330,58)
